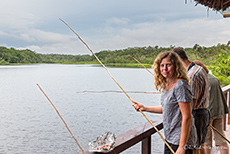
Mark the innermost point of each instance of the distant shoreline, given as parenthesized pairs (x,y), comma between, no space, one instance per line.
(125,65)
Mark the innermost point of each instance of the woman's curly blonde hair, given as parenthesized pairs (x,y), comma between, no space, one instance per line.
(180,70)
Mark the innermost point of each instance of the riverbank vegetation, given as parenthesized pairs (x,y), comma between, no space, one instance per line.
(217,58)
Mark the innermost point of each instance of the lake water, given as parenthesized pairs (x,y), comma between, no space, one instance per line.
(29,124)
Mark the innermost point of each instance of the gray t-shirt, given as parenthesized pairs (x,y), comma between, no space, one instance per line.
(172,117)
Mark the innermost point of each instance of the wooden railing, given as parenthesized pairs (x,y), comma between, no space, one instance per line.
(226,91)
(133,136)
(143,133)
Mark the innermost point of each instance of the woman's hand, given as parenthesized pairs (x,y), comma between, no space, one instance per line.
(152,109)
(180,150)
(138,106)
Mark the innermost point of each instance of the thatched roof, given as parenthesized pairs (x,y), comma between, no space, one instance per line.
(217,5)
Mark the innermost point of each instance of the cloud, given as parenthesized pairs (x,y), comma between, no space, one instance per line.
(118,21)
(37,35)
(3,34)
(71,46)
(185,33)
(107,25)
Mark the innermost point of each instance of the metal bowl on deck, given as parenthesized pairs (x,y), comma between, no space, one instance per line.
(103,143)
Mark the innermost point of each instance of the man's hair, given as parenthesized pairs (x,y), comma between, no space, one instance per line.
(181,53)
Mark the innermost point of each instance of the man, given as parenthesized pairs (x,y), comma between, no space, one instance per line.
(218,107)
(200,91)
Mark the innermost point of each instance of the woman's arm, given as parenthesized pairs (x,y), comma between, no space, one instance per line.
(185,126)
(152,109)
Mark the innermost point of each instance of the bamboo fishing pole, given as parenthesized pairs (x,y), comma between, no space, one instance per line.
(143,66)
(118,84)
(61,119)
(219,133)
(104,91)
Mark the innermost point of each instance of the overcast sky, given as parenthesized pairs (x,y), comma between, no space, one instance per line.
(108,25)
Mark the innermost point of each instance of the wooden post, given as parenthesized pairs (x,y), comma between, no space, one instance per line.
(228,106)
(226,92)
(225,96)
(146,145)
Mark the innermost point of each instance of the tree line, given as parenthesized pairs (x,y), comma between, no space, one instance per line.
(217,58)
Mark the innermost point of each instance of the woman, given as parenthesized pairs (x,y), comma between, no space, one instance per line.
(176,103)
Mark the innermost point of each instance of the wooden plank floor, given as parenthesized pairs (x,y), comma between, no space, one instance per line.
(227,134)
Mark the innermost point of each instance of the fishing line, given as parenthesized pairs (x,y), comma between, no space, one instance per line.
(118,84)
(61,119)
